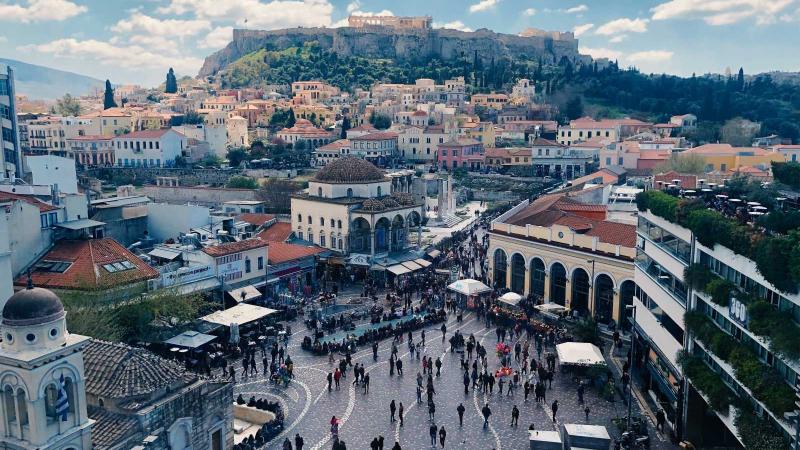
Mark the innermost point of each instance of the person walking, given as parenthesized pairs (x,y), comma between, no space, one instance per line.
(365,379)
(433,429)
(400,412)
(554,407)
(442,436)
(287,444)
(486,411)
(419,394)
(337,375)
(330,380)
(461,410)
(514,416)
(500,383)
(587,411)
(380,442)
(431,411)
(438,366)
(299,442)
(374,444)
(397,446)
(466,382)
(393,408)
(661,419)
(399,365)
(444,332)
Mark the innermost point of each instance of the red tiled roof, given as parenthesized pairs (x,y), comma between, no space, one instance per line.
(255,218)
(365,127)
(86,272)
(335,145)
(277,232)
(230,248)
(375,136)
(280,252)
(545,142)
(43,207)
(419,113)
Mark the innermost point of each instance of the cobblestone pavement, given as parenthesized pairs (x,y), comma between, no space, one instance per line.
(310,406)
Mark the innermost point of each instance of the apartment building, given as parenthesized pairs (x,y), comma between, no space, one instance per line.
(149,148)
(419,144)
(49,135)
(11,157)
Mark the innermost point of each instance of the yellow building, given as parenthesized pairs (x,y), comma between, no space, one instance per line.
(324,117)
(482,132)
(563,251)
(310,92)
(496,101)
(111,122)
(500,157)
(725,157)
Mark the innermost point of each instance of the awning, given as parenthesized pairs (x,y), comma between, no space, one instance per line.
(469,287)
(244,294)
(422,262)
(165,253)
(434,253)
(580,354)
(286,272)
(80,224)
(190,339)
(511,298)
(398,269)
(359,260)
(411,265)
(240,314)
(553,308)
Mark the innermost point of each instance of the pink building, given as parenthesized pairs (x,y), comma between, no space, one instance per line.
(461,152)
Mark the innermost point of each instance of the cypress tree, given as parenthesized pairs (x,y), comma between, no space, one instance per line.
(172,82)
(108,97)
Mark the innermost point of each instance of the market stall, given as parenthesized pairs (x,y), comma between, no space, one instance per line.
(551,310)
(582,354)
(508,309)
(469,291)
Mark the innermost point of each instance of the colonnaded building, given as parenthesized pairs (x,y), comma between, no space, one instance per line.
(563,250)
(352,207)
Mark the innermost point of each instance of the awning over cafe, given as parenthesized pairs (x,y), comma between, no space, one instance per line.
(411,265)
(398,269)
(434,253)
(422,262)
(244,293)
(240,314)
(190,339)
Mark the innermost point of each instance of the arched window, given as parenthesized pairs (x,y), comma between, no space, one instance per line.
(50,402)
(332,223)
(10,409)
(309,220)
(22,406)
(300,218)
(319,192)
(322,221)
(338,224)
(379,191)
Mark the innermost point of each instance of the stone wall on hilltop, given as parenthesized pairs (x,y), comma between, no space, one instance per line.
(412,44)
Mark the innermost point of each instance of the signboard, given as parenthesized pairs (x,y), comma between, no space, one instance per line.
(186,275)
(737,311)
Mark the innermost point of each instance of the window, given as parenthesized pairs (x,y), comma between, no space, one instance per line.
(300,235)
(349,192)
(309,220)
(379,191)
(260,263)
(319,192)
(322,221)
(322,240)
(299,217)
(339,224)
(247,267)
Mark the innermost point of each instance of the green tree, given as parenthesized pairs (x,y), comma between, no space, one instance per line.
(379,121)
(242,183)
(172,83)
(345,127)
(211,160)
(739,132)
(290,118)
(236,156)
(574,108)
(682,163)
(108,97)
(67,106)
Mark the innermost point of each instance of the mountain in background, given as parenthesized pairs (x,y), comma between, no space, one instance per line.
(44,83)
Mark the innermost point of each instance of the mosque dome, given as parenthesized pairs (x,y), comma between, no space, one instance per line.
(32,306)
(349,170)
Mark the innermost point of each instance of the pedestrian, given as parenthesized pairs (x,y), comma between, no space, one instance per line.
(444,331)
(399,365)
(298,442)
(661,419)
(366,383)
(438,366)
(233,374)
(580,392)
(527,388)
(587,411)
(337,375)
(514,416)
(500,383)
(287,444)
(554,407)
(442,436)
(486,411)
(460,410)
(397,446)
(374,444)
(380,442)
(433,429)
(400,411)
(393,408)
(431,411)
(419,394)
(466,382)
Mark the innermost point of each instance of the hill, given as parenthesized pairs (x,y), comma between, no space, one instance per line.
(400,45)
(45,83)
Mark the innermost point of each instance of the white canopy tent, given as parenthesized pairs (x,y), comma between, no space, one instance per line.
(579,354)
(553,308)
(511,298)
(240,314)
(469,287)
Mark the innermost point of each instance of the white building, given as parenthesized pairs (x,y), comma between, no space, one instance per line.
(11,155)
(149,148)
(51,170)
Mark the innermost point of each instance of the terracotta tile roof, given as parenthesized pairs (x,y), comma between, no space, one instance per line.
(277,232)
(43,207)
(280,252)
(230,248)
(419,113)
(365,127)
(614,233)
(110,429)
(545,143)
(375,136)
(255,218)
(336,145)
(86,271)
(725,149)
(117,371)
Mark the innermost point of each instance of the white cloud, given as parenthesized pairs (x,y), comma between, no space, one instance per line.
(618,38)
(576,9)
(623,25)
(143,25)
(650,56)
(343,22)
(483,5)
(455,25)
(529,12)
(353,6)
(218,37)
(132,57)
(257,14)
(580,29)
(722,12)
(40,11)
(600,52)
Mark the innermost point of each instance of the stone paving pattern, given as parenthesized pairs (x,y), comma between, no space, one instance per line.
(310,406)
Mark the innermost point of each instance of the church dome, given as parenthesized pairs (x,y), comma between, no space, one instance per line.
(349,170)
(32,306)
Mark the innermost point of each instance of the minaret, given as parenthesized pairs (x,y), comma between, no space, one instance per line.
(42,382)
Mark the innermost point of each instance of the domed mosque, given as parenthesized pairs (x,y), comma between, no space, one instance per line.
(354,208)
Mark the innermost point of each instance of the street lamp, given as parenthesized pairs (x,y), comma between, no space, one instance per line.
(630,362)
(591,289)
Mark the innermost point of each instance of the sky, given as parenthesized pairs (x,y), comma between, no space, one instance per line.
(136,41)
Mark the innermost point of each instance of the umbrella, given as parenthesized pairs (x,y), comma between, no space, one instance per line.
(511,298)
(469,287)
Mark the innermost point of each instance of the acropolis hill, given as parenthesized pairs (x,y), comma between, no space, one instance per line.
(401,38)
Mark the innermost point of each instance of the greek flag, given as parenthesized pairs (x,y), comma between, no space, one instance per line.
(62,403)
